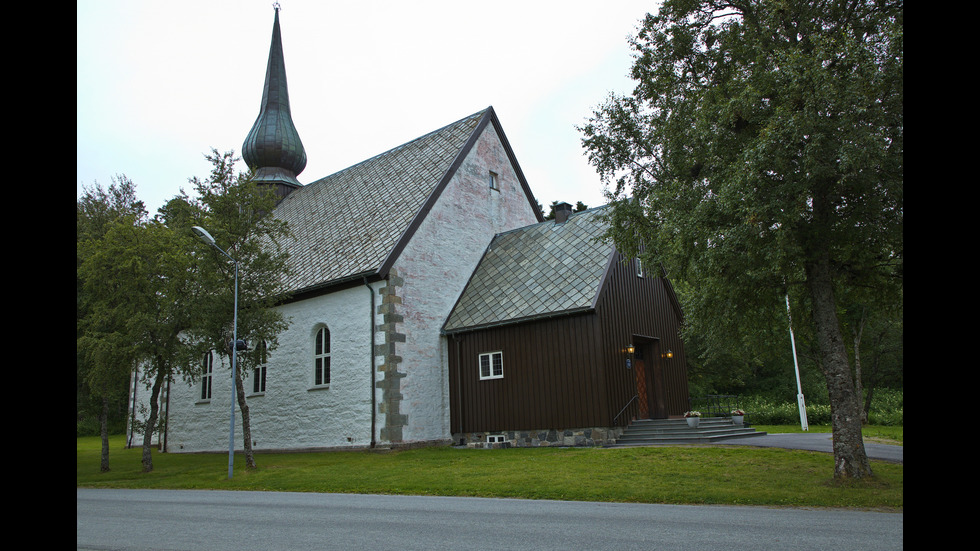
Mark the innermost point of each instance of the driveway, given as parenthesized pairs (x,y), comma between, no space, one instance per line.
(818,442)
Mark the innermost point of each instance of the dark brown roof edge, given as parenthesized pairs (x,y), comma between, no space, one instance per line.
(332,285)
(517,166)
(489,117)
(517,321)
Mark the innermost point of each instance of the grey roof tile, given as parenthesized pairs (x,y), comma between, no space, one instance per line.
(535,271)
(348,223)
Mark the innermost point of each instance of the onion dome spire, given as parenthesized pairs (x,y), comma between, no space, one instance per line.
(273,149)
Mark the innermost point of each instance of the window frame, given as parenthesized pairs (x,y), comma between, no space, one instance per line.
(261,368)
(494,181)
(207,377)
(321,357)
(492,373)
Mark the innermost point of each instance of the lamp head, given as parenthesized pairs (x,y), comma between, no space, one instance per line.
(203,234)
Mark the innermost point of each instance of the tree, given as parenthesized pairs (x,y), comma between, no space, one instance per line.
(103,363)
(233,209)
(760,153)
(138,278)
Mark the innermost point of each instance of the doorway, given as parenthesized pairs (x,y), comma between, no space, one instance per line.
(651,395)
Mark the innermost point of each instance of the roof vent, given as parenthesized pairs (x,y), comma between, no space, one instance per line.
(562,212)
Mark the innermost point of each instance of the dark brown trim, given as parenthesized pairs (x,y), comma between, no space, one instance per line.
(347,282)
(434,196)
(489,117)
(605,277)
(517,321)
(517,166)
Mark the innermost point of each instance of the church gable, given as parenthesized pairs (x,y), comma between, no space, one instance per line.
(347,225)
(483,194)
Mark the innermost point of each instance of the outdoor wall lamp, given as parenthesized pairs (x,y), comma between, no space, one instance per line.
(669,354)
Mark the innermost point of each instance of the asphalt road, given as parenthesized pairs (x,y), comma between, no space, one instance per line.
(189,520)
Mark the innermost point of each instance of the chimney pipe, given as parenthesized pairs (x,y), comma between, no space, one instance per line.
(562,212)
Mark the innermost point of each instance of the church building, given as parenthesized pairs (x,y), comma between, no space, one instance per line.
(432,304)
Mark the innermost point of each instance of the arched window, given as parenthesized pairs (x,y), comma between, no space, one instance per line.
(207,366)
(321,357)
(261,362)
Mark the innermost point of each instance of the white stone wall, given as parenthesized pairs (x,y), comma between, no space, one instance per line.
(292,413)
(436,266)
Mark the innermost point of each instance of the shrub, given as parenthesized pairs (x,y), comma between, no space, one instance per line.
(886,409)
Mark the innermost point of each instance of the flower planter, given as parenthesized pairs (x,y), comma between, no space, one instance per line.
(738,419)
(693,422)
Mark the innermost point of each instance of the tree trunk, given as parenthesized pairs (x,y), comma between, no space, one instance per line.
(850,458)
(151,423)
(858,380)
(246,423)
(104,431)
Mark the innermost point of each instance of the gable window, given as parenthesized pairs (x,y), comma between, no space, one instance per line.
(258,374)
(321,357)
(494,181)
(207,366)
(492,365)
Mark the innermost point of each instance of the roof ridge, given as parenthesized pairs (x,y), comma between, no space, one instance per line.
(551,221)
(403,145)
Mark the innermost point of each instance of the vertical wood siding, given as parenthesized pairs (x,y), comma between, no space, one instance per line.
(570,371)
(640,311)
(552,377)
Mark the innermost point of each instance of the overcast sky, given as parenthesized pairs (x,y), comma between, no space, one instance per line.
(161,83)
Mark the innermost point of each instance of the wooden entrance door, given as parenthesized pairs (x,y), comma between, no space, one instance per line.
(643,398)
(650,391)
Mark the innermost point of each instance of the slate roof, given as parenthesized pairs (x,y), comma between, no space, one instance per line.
(536,271)
(348,224)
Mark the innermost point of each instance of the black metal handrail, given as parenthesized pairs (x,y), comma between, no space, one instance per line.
(714,405)
(624,408)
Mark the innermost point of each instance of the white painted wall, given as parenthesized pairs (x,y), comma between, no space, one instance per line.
(436,266)
(292,412)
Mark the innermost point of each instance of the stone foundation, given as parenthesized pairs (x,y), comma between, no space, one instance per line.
(588,437)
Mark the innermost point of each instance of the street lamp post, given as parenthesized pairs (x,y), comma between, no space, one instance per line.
(206,237)
(800,402)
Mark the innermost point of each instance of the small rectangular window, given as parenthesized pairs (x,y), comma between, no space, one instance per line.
(494,183)
(495,438)
(492,365)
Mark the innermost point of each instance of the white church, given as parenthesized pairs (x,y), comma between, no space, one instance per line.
(383,251)
(382,254)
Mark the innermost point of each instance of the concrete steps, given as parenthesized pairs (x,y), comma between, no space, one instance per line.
(651,432)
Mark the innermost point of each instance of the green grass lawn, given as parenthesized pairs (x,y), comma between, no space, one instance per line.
(676,474)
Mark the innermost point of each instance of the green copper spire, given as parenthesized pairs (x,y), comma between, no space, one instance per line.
(273,148)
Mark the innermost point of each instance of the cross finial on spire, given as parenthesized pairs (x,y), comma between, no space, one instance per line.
(275,6)
(273,149)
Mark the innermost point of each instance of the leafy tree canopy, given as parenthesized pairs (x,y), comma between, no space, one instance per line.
(762,152)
